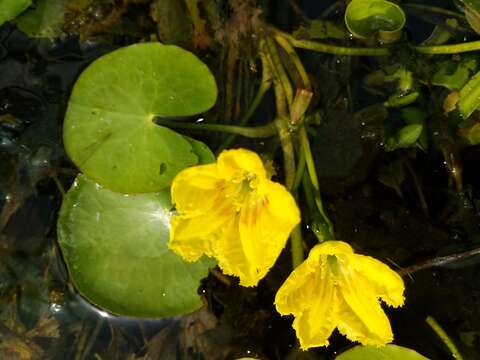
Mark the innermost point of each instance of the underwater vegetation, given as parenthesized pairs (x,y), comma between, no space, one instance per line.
(205,179)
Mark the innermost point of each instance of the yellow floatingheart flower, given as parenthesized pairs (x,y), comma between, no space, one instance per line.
(335,288)
(233,212)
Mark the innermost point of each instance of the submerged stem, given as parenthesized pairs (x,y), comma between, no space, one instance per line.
(250,132)
(444,337)
(262,90)
(312,172)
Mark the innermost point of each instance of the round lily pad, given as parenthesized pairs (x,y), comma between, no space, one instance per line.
(109,129)
(387,352)
(115,248)
(364,18)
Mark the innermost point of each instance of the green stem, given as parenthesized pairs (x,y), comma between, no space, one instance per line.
(449,49)
(279,70)
(312,172)
(281,122)
(262,90)
(250,132)
(295,59)
(296,246)
(434,9)
(444,337)
(333,49)
(300,171)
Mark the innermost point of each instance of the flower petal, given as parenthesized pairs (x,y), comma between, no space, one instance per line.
(191,237)
(231,162)
(228,250)
(264,231)
(333,248)
(296,292)
(361,317)
(194,189)
(388,284)
(317,322)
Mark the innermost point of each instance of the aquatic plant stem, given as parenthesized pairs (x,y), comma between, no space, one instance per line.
(288,151)
(355,51)
(332,49)
(449,48)
(295,59)
(418,187)
(265,85)
(279,70)
(312,172)
(438,261)
(250,132)
(433,9)
(444,337)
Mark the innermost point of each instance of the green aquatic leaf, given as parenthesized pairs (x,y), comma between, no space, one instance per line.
(406,137)
(10,9)
(115,248)
(454,75)
(469,99)
(109,129)
(387,352)
(44,20)
(366,18)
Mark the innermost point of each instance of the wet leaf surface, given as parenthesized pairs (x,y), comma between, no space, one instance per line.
(115,247)
(116,100)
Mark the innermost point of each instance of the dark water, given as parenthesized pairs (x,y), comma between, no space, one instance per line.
(41,314)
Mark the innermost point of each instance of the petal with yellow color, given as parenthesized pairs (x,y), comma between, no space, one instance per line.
(388,284)
(297,291)
(231,162)
(263,232)
(317,322)
(332,248)
(230,254)
(191,237)
(362,318)
(195,189)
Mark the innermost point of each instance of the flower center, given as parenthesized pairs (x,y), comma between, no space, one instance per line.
(241,189)
(332,263)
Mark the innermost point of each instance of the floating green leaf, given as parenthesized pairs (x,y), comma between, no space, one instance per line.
(387,352)
(366,18)
(109,129)
(10,9)
(115,248)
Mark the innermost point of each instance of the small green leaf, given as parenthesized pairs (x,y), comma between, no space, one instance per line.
(405,137)
(115,248)
(44,20)
(469,100)
(173,21)
(10,9)
(366,18)
(387,352)
(109,131)
(454,75)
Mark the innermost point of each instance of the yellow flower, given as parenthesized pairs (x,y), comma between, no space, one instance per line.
(231,211)
(335,288)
